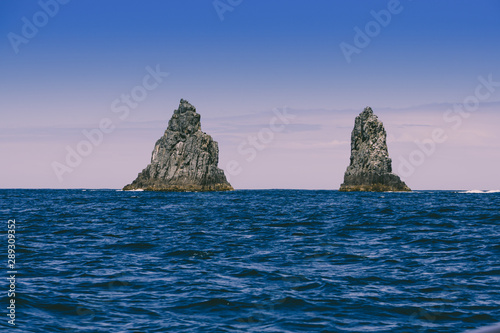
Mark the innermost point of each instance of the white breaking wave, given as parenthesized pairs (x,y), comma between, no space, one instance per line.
(481,191)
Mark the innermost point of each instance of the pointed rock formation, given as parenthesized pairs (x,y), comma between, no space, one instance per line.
(371,167)
(184,158)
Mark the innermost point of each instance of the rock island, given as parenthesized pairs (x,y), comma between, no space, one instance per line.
(370,168)
(183,159)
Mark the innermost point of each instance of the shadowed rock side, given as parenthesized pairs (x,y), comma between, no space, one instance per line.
(184,158)
(370,168)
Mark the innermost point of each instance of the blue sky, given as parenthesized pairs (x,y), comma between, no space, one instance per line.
(263,55)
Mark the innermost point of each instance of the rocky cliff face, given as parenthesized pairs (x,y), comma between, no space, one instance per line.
(184,158)
(370,168)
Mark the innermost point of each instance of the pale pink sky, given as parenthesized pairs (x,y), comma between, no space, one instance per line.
(310,152)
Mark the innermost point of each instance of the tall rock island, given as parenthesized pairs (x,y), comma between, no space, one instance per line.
(370,168)
(184,158)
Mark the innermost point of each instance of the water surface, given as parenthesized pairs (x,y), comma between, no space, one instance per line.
(254,261)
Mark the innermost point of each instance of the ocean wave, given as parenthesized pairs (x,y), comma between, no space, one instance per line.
(480,191)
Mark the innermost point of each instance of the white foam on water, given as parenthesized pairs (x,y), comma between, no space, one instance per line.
(481,191)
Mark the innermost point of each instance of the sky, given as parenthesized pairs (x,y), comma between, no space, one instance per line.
(429,70)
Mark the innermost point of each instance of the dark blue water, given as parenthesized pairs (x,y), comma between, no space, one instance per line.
(252,261)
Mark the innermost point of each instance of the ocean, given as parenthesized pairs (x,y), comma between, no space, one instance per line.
(251,261)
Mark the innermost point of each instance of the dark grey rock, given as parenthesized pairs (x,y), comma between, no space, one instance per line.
(184,158)
(370,168)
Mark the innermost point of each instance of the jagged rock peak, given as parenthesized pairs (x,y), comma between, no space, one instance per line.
(370,167)
(185,119)
(367,110)
(185,106)
(184,158)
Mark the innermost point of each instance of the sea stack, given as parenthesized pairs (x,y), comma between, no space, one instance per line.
(370,168)
(184,158)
